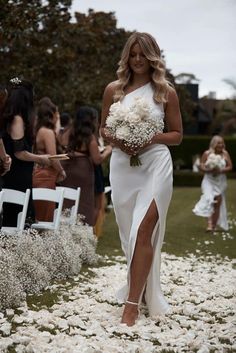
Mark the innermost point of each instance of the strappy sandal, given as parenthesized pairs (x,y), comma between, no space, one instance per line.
(138,312)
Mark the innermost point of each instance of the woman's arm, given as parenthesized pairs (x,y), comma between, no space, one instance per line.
(106,103)
(48,139)
(203,161)
(229,164)
(174,133)
(94,152)
(17,132)
(6,159)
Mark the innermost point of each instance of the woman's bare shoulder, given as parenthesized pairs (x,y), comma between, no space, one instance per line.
(206,153)
(111,88)
(171,94)
(18,120)
(46,132)
(226,153)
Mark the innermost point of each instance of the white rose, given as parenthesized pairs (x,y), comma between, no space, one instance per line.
(133,118)
(141,108)
(123,133)
(111,121)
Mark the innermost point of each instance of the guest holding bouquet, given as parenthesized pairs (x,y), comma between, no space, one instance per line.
(135,109)
(215,163)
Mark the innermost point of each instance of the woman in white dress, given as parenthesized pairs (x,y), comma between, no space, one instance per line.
(212,202)
(141,194)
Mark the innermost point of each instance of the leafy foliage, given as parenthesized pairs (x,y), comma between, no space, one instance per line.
(69,61)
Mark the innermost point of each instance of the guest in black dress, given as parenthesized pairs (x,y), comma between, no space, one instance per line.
(17,138)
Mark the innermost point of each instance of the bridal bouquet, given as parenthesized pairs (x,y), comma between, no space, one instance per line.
(135,125)
(214,161)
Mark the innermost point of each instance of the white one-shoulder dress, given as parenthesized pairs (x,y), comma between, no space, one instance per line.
(213,185)
(133,190)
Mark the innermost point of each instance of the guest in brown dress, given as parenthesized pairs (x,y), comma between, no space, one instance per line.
(45,142)
(81,144)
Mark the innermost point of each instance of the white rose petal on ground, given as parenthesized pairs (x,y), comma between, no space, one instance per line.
(201,317)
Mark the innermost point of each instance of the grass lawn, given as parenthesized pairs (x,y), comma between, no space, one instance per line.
(185,232)
(82,315)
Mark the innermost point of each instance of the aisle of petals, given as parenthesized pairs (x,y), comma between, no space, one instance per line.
(86,319)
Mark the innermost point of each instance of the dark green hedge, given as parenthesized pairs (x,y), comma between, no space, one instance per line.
(183,154)
(193,145)
(188,178)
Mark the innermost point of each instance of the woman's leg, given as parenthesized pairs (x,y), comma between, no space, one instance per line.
(141,264)
(215,216)
(98,204)
(99,213)
(209,224)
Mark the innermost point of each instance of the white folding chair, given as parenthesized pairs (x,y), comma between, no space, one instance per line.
(72,194)
(107,189)
(1,195)
(19,198)
(53,195)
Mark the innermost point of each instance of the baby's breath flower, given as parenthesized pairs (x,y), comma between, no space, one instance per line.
(30,261)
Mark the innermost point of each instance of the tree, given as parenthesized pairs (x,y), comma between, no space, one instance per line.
(185,78)
(70,62)
(232,83)
(188,105)
(98,51)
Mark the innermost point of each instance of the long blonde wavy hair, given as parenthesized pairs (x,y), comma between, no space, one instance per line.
(215,139)
(152,52)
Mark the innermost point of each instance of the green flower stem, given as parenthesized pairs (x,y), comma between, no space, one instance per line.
(135,161)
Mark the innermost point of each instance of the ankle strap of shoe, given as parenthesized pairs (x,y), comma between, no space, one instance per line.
(133,303)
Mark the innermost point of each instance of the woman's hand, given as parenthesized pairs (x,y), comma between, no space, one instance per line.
(43,160)
(117,143)
(126,149)
(215,171)
(153,141)
(106,152)
(6,163)
(61,176)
